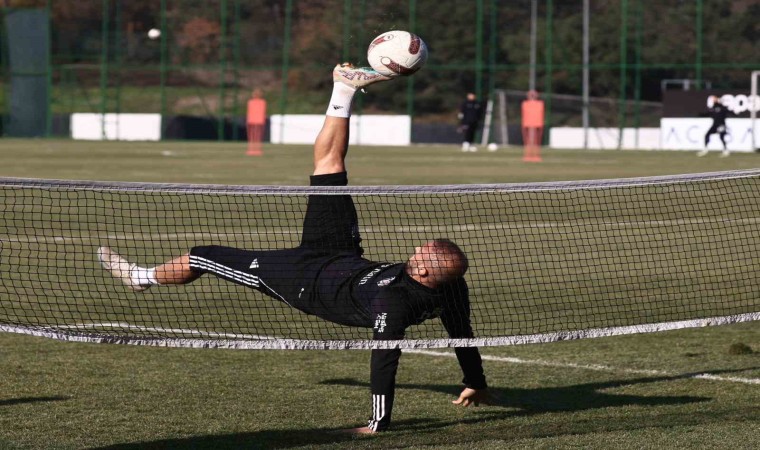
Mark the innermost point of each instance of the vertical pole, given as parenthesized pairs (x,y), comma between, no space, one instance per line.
(623,70)
(117,54)
(162,64)
(492,45)
(492,42)
(479,49)
(49,117)
(236,67)
(285,64)
(222,70)
(410,80)
(346,31)
(586,75)
(698,62)
(753,111)
(637,80)
(549,68)
(347,56)
(103,67)
(116,107)
(362,50)
(533,20)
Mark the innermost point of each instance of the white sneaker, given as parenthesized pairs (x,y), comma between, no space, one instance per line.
(357,77)
(473,149)
(465,146)
(702,153)
(725,153)
(120,268)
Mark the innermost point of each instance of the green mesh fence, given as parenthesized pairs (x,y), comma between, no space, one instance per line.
(212,53)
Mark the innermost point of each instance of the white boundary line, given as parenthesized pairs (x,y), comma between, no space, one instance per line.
(593,367)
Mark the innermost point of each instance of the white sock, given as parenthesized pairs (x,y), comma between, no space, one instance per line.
(340,102)
(143,276)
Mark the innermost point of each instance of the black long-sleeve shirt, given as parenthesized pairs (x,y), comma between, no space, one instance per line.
(718,114)
(388,300)
(470,112)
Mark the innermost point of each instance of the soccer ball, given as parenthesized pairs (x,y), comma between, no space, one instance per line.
(154,33)
(397,53)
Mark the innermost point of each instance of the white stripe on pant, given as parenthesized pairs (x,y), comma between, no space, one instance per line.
(378,411)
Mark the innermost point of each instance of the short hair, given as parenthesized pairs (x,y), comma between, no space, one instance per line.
(456,263)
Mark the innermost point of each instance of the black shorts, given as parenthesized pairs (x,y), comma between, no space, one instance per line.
(330,231)
(716,129)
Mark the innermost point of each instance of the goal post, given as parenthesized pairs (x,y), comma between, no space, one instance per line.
(753,109)
(501,122)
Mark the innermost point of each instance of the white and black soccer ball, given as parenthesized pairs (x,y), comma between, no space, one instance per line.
(397,52)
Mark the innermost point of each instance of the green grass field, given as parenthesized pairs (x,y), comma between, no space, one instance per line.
(685,389)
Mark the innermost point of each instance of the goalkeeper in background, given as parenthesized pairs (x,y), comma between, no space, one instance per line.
(718,113)
(470,114)
(326,275)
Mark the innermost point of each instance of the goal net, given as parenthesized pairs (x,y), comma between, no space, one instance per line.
(502,118)
(548,261)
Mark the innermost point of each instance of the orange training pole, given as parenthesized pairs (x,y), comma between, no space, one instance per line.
(532,127)
(255,121)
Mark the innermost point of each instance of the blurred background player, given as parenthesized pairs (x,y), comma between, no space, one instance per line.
(718,113)
(470,114)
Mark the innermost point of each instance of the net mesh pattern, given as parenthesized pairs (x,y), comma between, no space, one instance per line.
(544,258)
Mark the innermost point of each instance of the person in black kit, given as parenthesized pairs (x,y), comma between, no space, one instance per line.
(470,114)
(718,113)
(326,275)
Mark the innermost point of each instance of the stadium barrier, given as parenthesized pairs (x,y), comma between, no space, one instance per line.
(365,129)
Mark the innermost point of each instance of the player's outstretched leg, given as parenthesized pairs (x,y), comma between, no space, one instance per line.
(331,145)
(122,269)
(176,271)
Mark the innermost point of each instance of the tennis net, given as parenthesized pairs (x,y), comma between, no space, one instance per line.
(548,261)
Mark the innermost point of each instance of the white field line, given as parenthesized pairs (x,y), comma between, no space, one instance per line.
(375,230)
(593,367)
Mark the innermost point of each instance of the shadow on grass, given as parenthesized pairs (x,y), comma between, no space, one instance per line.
(578,397)
(18,401)
(509,403)
(267,439)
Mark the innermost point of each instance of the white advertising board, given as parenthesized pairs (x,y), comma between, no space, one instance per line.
(604,138)
(688,133)
(365,129)
(118,127)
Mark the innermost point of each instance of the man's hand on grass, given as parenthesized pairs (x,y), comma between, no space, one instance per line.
(472,397)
